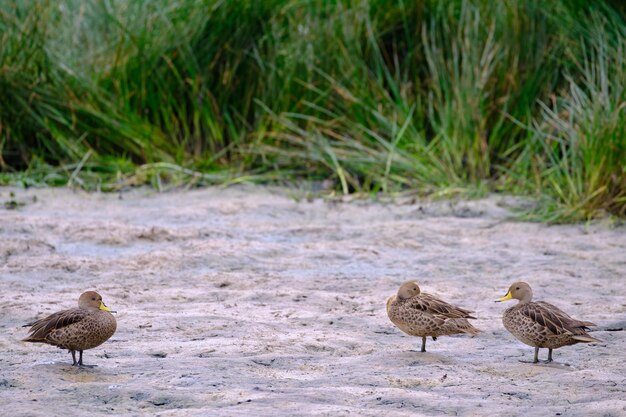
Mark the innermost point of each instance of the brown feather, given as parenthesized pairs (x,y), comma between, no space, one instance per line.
(425,315)
(437,307)
(554,319)
(41,328)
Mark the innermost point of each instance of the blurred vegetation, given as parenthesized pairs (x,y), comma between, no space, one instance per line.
(439,96)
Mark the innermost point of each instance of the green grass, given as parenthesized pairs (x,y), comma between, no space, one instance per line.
(441,96)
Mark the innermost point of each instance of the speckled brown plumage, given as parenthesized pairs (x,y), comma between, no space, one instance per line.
(420,314)
(77,329)
(540,324)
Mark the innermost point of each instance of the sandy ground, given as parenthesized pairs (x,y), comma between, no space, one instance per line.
(246,301)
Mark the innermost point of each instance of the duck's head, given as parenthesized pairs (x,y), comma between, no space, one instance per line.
(91,300)
(520,291)
(408,289)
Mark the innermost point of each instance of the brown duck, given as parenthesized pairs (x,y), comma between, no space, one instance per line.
(420,314)
(540,324)
(76,329)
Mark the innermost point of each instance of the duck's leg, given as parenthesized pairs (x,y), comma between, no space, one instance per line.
(80,361)
(423,343)
(73,352)
(550,359)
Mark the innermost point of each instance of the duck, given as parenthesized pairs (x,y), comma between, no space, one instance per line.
(76,329)
(423,315)
(540,324)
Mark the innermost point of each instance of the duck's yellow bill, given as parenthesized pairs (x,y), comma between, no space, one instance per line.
(508,296)
(103,307)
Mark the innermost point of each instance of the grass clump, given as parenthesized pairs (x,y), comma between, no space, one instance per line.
(438,96)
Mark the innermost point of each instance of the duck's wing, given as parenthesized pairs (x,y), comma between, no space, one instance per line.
(553,318)
(42,327)
(437,307)
(574,322)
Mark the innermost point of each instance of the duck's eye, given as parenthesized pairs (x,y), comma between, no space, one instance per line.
(517,288)
(93,299)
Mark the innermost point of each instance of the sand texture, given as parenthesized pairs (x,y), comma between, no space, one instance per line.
(247,301)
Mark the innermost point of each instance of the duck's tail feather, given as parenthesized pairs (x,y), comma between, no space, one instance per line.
(464,326)
(472,330)
(585,338)
(34,340)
